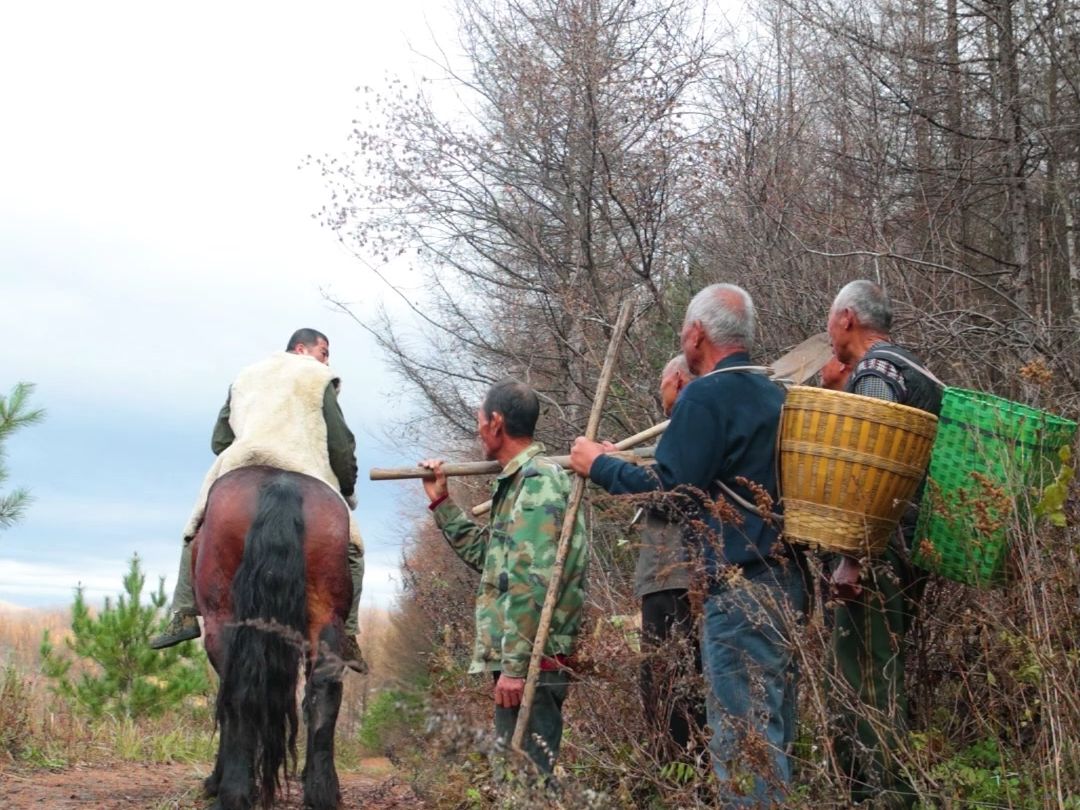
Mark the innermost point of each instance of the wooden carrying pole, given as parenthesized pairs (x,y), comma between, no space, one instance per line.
(464,468)
(573,503)
(798,365)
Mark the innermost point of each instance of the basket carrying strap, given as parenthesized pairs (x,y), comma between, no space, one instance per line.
(745,504)
(751,369)
(921,369)
(765,370)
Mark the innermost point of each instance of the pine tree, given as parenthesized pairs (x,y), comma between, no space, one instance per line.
(116,672)
(14,414)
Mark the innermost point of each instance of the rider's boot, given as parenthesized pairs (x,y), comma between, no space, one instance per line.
(184,623)
(181,627)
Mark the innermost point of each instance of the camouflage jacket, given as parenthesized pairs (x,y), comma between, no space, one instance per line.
(515,554)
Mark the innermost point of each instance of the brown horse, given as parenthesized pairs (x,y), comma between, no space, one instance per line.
(272,583)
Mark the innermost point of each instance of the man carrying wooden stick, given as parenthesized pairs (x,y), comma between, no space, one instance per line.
(515,555)
(721,439)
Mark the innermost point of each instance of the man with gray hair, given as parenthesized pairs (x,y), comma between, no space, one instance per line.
(878,597)
(722,438)
(672,700)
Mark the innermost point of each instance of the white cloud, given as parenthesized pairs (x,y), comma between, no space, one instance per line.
(81,511)
(29,584)
(35,584)
(157,230)
(382,582)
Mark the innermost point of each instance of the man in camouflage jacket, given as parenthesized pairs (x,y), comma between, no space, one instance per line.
(515,555)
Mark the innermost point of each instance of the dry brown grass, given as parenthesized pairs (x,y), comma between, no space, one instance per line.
(27,702)
(20,633)
(40,731)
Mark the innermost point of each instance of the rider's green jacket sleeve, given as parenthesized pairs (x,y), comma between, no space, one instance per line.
(340,442)
(223,432)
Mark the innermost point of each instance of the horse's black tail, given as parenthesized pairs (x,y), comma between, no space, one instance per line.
(256,705)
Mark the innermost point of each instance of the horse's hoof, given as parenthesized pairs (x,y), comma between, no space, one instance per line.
(312,806)
(233,802)
(210,787)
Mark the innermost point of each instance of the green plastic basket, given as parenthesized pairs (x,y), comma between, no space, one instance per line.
(990,455)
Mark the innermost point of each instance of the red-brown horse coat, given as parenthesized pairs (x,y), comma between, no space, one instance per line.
(217,554)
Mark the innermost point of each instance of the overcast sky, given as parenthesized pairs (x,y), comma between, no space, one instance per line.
(155,237)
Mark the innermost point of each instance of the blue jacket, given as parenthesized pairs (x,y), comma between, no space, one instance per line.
(724,427)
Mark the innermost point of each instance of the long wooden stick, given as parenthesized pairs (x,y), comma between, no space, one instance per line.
(577,490)
(626,444)
(464,468)
(493,468)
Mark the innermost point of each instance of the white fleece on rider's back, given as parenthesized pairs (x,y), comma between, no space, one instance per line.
(276,413)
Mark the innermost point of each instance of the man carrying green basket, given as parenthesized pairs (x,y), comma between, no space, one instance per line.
(877,598)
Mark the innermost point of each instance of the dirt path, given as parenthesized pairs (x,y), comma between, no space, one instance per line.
(135,786)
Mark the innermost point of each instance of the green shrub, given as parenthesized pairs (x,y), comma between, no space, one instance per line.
(389,717)
(118,673)
(980,776)
(15,413)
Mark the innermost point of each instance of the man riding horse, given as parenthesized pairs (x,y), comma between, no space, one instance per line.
(281,412)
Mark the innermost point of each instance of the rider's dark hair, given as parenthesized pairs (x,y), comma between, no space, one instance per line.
(518,404)
(309,337)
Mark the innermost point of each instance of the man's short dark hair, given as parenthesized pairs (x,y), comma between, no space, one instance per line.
(309,337)
(518,404)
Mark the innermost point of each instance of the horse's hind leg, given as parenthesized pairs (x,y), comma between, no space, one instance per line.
(322,700)
(212,783)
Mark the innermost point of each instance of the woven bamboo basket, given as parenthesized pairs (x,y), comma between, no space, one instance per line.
(849,467)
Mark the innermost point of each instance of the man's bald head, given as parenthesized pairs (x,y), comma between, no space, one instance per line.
(676,365)
(673,379)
